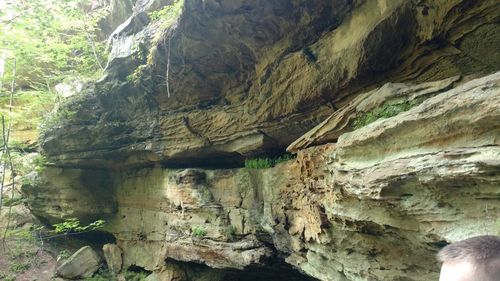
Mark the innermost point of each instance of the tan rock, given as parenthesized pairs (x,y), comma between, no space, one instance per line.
(375,205)
(254,89)
(342,120)
(113,256)
(169,272)
(63,193)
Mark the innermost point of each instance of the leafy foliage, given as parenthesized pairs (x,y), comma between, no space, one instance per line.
(135,276)
(105,275)
(169,13)
(73,225)
(264,163)
(199,232)
(40,162)
(385,111)
(51,39)
(29,107)
(231,231)
(7,277)
(13,201)
(102,275)
(259,163)
(18,267)
(64,254)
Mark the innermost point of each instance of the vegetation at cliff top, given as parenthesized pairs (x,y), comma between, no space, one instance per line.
(166,17)
(168,13)
(42,44)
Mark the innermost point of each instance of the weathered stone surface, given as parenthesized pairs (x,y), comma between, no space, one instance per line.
(69,89)
(249,77)
(81,264)
(119,11)
(169,272)
(113,256)
(228,80)
(343,121)
(375,205)
(58,193)
(393,191)
(466,116)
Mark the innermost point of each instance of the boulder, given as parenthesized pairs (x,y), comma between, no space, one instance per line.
(113,256)
(68,89)
(82,264)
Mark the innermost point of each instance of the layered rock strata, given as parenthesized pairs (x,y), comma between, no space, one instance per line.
(375,203)
(225,80)
(392,108)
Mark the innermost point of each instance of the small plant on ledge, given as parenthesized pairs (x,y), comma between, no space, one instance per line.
(264,163)
(198,232)
(387,110)
(231,231)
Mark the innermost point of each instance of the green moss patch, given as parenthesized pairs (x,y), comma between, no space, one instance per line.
(387,110)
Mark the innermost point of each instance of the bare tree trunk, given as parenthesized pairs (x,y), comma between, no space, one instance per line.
(6,135)
(6,157)
(12,176)
(92,45)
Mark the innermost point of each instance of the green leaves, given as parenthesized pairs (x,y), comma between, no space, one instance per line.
(198,232)
(73,225)
(169,13)
(385,111)
(264,163)
(50,39)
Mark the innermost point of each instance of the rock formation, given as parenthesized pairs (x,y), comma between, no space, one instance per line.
(81,264)
(392,108)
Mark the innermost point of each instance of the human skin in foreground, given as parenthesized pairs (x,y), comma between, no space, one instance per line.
(472,259)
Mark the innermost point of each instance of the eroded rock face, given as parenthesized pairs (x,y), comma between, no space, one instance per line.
(70,193)
(387,104)
(113,256)
(248,77)
(376,203)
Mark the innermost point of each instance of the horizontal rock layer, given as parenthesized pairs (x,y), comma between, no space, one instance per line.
(232,79)
(376,204)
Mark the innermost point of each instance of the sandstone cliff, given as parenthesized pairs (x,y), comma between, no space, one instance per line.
(392,108)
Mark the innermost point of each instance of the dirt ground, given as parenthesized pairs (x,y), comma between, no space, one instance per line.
(22,260)
(22,255)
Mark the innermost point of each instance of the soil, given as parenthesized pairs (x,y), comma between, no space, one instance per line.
(22,260)
(22,256)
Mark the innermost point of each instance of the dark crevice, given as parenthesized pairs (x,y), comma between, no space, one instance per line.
(97,237)
(271,271)
(138,269)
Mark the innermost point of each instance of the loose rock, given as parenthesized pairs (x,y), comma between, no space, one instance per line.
(82,264)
